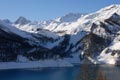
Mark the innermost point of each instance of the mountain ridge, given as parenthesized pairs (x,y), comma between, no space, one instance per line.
(72,36)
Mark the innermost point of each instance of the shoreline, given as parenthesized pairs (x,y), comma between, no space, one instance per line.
(34,64)
(41,64)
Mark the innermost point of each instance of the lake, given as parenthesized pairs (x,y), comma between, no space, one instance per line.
(83,72)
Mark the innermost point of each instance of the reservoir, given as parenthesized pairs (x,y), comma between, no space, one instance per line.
(81,72)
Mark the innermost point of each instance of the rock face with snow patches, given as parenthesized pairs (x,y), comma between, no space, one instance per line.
(94,36)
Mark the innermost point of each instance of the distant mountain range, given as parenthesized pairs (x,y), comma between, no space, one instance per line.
(94,37)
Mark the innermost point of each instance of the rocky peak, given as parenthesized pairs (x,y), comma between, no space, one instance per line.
(22,21)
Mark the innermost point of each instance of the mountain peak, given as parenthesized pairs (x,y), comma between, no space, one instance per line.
(70,17)
(22,21)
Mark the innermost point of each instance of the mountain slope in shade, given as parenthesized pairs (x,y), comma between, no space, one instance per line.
(72,37)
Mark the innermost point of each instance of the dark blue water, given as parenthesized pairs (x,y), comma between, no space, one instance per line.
(71,73)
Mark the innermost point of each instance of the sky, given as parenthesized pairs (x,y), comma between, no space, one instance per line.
(49,9)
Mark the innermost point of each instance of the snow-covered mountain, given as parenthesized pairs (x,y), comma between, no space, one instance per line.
(26,25)
(73,37)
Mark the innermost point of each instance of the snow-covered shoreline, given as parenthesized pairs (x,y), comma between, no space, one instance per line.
(35,64)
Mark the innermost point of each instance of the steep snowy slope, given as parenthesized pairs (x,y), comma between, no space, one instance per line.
(111,54)
(104,26)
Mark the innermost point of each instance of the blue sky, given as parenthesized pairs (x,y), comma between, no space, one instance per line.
(49,9)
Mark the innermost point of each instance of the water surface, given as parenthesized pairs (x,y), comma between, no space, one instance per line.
(83,72)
